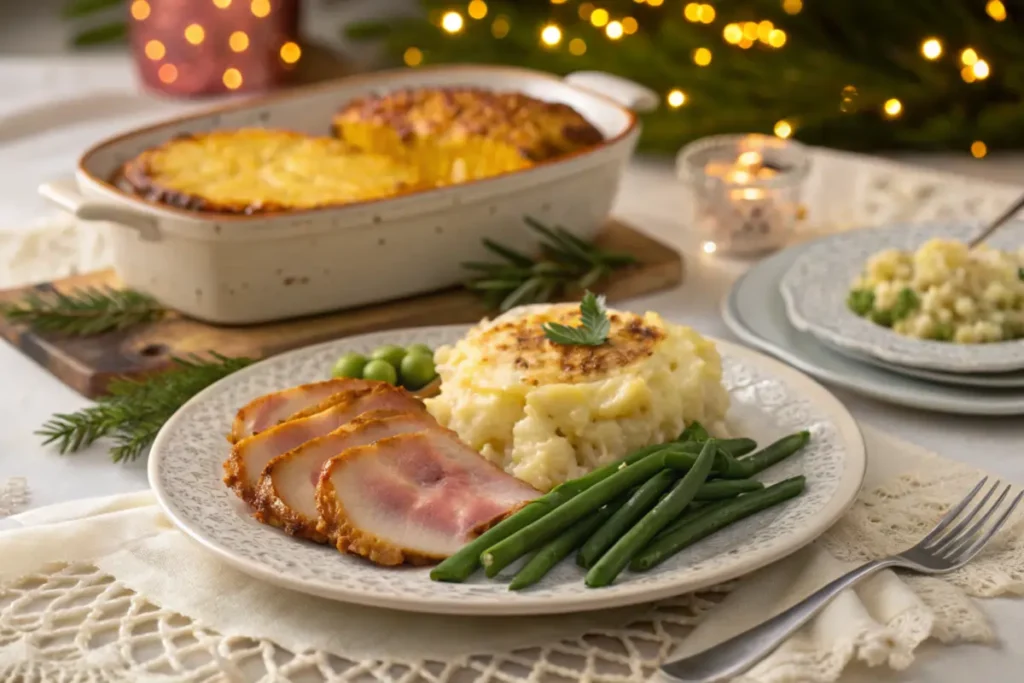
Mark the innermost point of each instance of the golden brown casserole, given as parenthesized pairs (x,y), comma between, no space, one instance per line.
(254,170)
(457,134)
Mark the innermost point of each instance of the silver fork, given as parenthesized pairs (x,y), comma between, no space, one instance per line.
(953,542)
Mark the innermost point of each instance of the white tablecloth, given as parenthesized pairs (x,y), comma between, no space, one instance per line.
(50,112)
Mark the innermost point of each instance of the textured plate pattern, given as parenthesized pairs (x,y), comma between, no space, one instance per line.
(816,285)
(769,400)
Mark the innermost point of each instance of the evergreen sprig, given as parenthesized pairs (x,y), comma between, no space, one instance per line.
(566,261)
(85,311)
(134,410)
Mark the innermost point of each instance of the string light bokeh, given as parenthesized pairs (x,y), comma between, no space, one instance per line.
(200,47)
(606,24)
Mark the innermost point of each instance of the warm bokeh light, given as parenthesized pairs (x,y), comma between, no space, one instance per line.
(655,3)
(290,52)
(750,30)
(777,38)
(702,56)
(140,10)
(892,107)
(222,4)
(978,149)
(792,6)
(783,128)
(676,98)
(585,10)
(551,35)
(577,46)
(732,33)
(614,30)
(996,10)
(167,73)
(706,14)
(931,48)
(980,69)
(452,22)
(477,9)
(412,56)
(692,12)
(155,50)
(238,41)
(630,25)
(500,27)
(967,73)
(710,247)
(195,34)
(260,8)
(746,43)
(764,29)
(968,57)
(232,79)
(599,17)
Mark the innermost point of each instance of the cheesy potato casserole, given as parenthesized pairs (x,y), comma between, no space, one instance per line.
(944,291)
(255,169)
(385,145)
(548,412)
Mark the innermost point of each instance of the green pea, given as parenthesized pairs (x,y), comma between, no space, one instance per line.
(390,353)
(380,370)
(417,370)
(349,365)
(420,348)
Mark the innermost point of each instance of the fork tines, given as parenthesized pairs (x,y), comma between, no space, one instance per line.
(959,543)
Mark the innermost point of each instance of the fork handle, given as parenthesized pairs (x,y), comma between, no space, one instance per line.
(738,654)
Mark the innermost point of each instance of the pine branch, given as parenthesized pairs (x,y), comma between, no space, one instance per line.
(135,410)
(84,312)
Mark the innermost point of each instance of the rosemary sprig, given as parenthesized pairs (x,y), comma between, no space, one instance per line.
(566,262)
(84,312)
(135,410)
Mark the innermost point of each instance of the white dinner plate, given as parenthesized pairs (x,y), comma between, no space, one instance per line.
(769,400)
(815,288)
(755,313)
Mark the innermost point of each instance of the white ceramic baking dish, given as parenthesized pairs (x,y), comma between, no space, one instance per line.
(246,269)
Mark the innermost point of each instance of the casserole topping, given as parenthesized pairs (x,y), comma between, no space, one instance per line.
(386,145)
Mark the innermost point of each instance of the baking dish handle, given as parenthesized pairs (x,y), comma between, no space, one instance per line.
(65,194)
(629,94)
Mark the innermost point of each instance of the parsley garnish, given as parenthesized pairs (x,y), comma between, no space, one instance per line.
(594,327)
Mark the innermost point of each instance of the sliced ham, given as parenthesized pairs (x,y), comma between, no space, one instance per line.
(286,495)
(271,409)
(250,455)
(413,498)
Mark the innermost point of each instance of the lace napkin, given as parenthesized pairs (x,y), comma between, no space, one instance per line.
(107,589)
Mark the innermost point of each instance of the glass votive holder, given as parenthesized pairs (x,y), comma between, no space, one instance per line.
(745,190)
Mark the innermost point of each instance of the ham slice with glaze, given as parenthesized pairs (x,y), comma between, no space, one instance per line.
(271,409)
(286,495)
(413,498)
(249,456)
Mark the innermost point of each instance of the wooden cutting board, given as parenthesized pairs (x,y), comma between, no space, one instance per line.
(87,364)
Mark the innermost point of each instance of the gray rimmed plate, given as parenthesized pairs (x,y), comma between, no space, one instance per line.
(755,313)
(768,399)
(815,286)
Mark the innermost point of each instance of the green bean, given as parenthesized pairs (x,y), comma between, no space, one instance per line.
(734,447)
(507,551)
(774,453)
(463,563)
(706,524)
(693,511)
(642,500)
(558,548)
(726,488)
(668,508)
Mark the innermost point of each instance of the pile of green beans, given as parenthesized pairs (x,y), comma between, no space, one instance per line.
(635,513)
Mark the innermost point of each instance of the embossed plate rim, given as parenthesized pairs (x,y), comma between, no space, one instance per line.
(815,285)
(493,599)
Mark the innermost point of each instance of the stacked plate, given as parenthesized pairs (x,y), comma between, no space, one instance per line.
(793,305)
